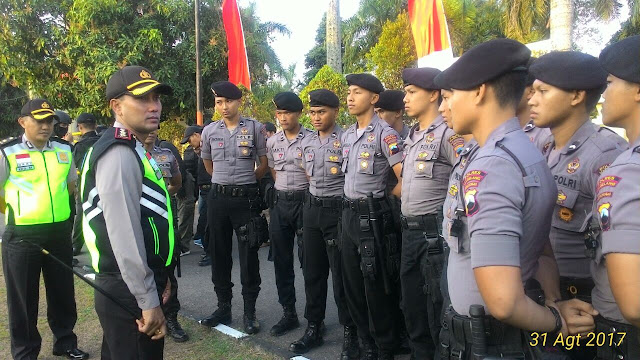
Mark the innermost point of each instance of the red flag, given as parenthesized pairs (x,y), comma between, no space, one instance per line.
(238,61)
(430,33)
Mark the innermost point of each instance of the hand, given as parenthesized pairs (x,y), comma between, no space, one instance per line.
(152,323)
(68,137)
(564,330)
(166,293)
(578,315)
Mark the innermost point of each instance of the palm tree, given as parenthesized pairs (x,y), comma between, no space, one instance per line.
(334,42)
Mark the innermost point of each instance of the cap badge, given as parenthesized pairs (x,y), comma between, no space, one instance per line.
(145,74)
(45,105)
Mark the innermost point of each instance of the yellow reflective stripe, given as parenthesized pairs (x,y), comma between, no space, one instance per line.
(43,110)
(142,82)
(144,90)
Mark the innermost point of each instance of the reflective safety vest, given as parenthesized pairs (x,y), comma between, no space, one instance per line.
(36,190)
(155,208)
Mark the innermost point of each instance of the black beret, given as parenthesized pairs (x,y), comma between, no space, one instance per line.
(324,97)
(288,101)
(226,89)
(38,109)
(391,100)
(622,59)
(86,118)
(483,63)
(190,130)
(421,77)
(270,127)
(530,78)
(365,81)
(135,81)
(569,70)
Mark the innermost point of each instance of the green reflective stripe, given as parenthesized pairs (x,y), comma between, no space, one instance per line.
(156,240)
(87,231)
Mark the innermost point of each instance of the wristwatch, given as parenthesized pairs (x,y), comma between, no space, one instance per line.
(556,315)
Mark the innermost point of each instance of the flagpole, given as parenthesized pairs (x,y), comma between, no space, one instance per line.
(199,116)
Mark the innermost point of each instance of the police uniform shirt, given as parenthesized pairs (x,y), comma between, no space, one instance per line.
(429,156)
(538,136)
(575,169)
(404,133)
(323,163)
(166,162)
(285,157)
(392,180)
(368,158)
(617,207)
(508,213)
(234,153)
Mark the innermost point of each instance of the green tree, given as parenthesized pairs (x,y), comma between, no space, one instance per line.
(11,100)
(316,58)
(525,20)
(394,51)
(327,78)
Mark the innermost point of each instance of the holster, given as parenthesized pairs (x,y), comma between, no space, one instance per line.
(393,245)
(629,348)
(255,232)
(368,258)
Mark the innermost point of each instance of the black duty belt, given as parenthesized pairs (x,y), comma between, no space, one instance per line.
(427,223)
(614,348)
(576,287)
(294,195)
(361,206)
(236,190)
(331,202)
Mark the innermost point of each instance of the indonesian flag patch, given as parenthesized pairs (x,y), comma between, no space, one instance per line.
(23,162)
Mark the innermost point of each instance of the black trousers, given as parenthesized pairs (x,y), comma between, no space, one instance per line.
(370,307)
(321,253)
(227,214)
(286,219)
(421,317)
(172,306)
(78,238)
(201,229)
(186,207)
(22,264)
(120,336)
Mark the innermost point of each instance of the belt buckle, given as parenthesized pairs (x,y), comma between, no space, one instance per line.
(234,192)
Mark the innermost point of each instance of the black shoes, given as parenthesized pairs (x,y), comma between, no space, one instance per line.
(72,354)
(221,316)
(175,330)
(350,345)
(205,261)
(312,338)
(369,351)
(288,322)
(251,324)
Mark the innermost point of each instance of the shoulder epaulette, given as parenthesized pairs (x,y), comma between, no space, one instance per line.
(6,141)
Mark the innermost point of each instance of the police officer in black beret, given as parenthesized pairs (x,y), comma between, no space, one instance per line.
(539,136)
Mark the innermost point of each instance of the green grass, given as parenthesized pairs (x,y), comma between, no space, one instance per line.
(203,343)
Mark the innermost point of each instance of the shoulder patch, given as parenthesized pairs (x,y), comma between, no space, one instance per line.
(123,134)
(457,142)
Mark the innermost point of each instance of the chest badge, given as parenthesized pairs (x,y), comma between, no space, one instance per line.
(371,137)
(421,166)
(364,164)
(63,158)
(453,190)
(422,155)
(336,144)
(565,214)
(23,162)
(245,151)
(333,170)
(429,138)
(573,166)
(244,131)
(365,155)
(220,144)
(244,143)
(561,197)
(333,158)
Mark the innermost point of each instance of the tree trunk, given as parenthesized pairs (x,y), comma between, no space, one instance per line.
(334,38)
(561,17)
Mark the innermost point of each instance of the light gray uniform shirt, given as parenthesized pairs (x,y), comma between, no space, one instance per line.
(323,163)
(429,156)
(617,207)
(392,180)
(368,158)
(538,136)
(234,153)
(508,212)
(575,169)
(285,157)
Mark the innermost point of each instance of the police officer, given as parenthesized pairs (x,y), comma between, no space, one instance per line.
(284,151)
(87,127)
(128,221)
(322,153)
(430,151)
(508,194)
(61,126)
(38,177)
(390,108)
(539,136)
(230,149)
(370,150)
(615,267)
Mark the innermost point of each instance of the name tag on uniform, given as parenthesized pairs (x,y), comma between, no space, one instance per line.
(63,158)
(154,166)
(24,163)
(244,137)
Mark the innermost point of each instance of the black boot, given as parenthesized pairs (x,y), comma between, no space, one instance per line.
(175,330)
(221,316)
(205,260)
(369,351)
(251,324)
(350,345)
(312,337)
(288,322)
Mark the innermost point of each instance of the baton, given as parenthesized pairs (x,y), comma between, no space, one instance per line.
(91,283)
(378,241)
(478,336)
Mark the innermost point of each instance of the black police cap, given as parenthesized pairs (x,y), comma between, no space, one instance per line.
(63,117)
(483,63)
(190,130)
(391,100)
(226,89)
(324,97)
(86,118)
(288,101)
(622,59)
(135,81)
(365,81)
(421,77)
(38,109)
(569,70)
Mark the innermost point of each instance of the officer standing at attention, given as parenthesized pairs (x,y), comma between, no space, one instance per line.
(390,108)
(120,180)
(508,194)
(370,150)
(322,153)
(567,89)
(38,177)
(284,152)
(430,152)
(616,267)
(539,136)
(230,149)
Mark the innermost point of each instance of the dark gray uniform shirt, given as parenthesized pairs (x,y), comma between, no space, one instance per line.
(166,161)
(429,156)
(508,214)
(575,169)
(234,153)
(617,207)
(285,157)
(368,158)
(323,163)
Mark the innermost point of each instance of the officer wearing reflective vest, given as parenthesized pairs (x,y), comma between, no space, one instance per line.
(38,177)
(128,222)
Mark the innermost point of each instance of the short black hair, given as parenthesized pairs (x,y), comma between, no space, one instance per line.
(592,97)
(509,87)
